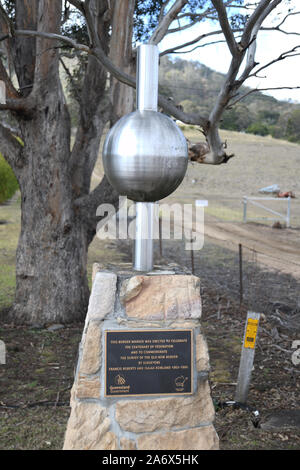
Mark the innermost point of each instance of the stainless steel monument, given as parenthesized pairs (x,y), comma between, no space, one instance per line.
(145,155)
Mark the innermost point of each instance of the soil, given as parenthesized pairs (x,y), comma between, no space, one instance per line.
(36,381)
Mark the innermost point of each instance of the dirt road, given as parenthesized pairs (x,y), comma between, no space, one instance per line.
(276,249)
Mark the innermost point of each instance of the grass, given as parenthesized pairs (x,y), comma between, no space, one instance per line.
(9,235)
(8,181)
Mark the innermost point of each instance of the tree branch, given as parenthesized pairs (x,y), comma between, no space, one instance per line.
(10,89)
(23,106)
(255,90)
(282,56)
(68,41)
(87,205)
(169,17)
(194,41)
(228,33)
(254,18)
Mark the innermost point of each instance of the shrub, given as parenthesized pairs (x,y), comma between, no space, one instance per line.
(258,128)
(8,181)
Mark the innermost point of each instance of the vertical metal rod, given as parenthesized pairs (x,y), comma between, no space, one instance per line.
(288,218)
(143,253)
(192,254)
(160,236)
(147,77)
(147,100)
(241,273)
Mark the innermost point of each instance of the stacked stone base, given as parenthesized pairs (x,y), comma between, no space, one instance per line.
(154,301)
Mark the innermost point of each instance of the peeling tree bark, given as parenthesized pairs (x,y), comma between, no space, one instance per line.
(51,282)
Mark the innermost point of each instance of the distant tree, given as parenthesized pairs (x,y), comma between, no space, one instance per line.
(269,116)
(293,126)
(258,128)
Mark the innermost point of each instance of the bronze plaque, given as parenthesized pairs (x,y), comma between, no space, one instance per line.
(148,362)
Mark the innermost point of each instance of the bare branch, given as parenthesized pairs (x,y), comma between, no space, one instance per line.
(255,90)
(194,41)
(163,26)
(23,106)
(282,56)
(198,47)
(291,13)
(68,41)
(223,19)
(263,9)
(10,89)
(250,63)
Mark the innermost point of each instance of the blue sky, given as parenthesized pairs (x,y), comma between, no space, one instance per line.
(270,45)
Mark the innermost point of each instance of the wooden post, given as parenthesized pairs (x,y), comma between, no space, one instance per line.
(241,273)
(247,357)
(245,201)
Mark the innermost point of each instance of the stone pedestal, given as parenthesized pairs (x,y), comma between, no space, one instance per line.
(161,300)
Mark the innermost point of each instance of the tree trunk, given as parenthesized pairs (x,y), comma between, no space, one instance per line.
(122,96)
(51,281)
(52,251)
(58,210)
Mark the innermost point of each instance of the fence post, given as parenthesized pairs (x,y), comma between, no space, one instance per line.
(245,210)
(2,92)
(288,218)
(247,357)
(241,273)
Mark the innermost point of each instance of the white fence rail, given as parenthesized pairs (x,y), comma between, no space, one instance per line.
(253,201)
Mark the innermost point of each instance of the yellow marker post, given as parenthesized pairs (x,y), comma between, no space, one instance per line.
(247,357)
(251,332)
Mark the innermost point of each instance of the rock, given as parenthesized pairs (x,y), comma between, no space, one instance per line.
(88,387)
(131,288)
(92,350)
(55,327)
(102,297)
(204,438)
(89,428)
(127,444)
(166,413)
(165,297)
(202,357)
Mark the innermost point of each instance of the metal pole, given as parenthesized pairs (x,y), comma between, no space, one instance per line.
(147,77)
(160,235)
(147,100)
(143,253)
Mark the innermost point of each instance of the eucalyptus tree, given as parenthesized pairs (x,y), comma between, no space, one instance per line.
(58,206)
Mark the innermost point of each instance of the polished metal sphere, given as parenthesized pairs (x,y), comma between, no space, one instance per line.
(145,156)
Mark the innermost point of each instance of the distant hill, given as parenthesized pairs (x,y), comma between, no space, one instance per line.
(195,87)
